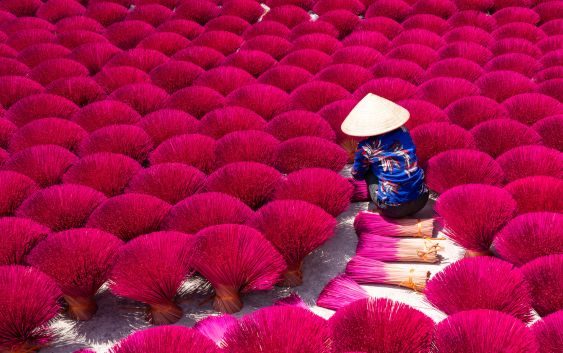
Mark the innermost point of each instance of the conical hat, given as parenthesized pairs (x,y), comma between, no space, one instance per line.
(374,115)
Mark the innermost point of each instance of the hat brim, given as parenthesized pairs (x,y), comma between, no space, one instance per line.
(374,115)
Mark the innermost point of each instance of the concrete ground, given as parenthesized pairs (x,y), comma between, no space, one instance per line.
(118,318)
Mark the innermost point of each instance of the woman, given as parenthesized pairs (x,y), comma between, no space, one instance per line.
(387,159)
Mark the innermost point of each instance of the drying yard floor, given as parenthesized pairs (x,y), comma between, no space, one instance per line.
(116,318)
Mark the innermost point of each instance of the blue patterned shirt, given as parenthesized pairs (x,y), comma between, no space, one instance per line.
(391,157)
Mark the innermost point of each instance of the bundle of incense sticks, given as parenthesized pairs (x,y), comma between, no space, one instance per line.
(368,222)
(380,248)
(339,292)
(368,271)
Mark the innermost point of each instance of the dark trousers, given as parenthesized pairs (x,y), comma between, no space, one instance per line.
(399,211)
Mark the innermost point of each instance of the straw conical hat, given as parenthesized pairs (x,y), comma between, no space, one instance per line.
(374,115)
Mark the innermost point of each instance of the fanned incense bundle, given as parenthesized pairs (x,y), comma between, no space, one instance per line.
(279,329)
(175,75)
(192,149)
(251,182)
(129,215)
(145,98)
(201,56)
(322,187)
(265,28)
(47,131)
(29,303)
(265,100)
(389,249)
(222,121)
(106,172)
(433,138)
(105,113)
(339,292)
(79,260)
(500,135)
(544,277)
(292,300)
(525,161)
(318,41)
(236,259)
(169,339)
(381,325)
(295,228)
(93,56)
(128,140)
(206,209)
(309,27)
(548,333)
(455,67)
(14,189)
(44,164)
(372,223)
(314,95)
(18,237)
(473,18)
(381,20)
(80,90)
(368,271)
(462,166)
(296,123)
(224,79)
(155,283)
(254,62)
(529,236)
(246,146)
(196,100)
(537,193)
(166,123)
(112,77)
(61,206)
(481,283)
(285,77)
(475,227)
(15,87)
(170,182)
(215,327)
(483,331)
(549,128)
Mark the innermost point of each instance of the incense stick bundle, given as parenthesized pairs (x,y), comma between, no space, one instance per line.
(380,248)
(279,329)
(339,292)
(483,331)
(292,300)
(360,191)
(381,325)
(368,271)
(367,222)
(215,327)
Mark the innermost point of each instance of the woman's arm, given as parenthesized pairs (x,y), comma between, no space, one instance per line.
(361,162)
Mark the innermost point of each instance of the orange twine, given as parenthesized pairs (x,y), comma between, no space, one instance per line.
(419,225)
(432,249)
(409,283)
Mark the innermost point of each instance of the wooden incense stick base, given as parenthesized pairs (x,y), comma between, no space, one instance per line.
(293,276)
(21,348)
(473,253)
(164,314)
(81,308)
(227,300)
